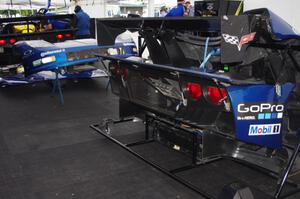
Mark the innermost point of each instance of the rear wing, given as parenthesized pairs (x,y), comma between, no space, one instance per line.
(109,28)
(171,40)
(31,28)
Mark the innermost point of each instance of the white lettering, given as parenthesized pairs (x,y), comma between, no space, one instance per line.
(244,110)
(255,109)
(43,54)
(265,107)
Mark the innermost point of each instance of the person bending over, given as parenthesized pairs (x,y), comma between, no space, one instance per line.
(82,23)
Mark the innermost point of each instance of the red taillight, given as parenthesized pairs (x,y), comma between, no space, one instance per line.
(2,42)
(216,95)
(194,90)
(68,36)
(12,41)
(123,72)
(59,36)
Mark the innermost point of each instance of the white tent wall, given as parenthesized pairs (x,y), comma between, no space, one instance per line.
(286,9)
(27,4)
(94,8)
(151,8)
(96,11)
(104,8)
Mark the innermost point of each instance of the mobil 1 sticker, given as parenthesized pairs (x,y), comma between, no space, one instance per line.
(259,111)
(264,129)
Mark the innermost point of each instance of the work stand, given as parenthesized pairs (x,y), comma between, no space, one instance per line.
(57,87)
(104,130)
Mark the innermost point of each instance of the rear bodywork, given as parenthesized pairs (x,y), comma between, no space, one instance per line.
(72,59)
(230,78)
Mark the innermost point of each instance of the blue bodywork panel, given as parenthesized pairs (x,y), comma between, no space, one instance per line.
(281,29)
(36,50)
(259,111)
(21,79)
(63,54)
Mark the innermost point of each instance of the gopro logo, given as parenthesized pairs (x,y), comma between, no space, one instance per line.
(265,107)
(264,129)
(262,111)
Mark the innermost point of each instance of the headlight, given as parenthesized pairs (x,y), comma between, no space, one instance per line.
(47,60)
(112,51)
(20,70)
(44,60)
(37,62)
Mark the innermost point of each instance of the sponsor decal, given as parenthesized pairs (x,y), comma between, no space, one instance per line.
(264,129)
(210,6)
(263,111)
(27,53)
(234,40)
(43,54)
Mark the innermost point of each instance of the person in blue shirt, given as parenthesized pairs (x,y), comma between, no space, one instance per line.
(57,24)
(52,24)
(177,11)
(82,23)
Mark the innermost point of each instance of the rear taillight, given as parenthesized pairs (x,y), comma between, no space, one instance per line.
(194,90)
(216,95)
(59,36)
(123,72)
(2,41)
(68,36)
(115,69)
(12,41)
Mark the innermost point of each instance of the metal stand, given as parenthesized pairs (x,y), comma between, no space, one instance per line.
(154,165)
(172,173)
(108,84)
(287,170)
(57,87)
(107,71)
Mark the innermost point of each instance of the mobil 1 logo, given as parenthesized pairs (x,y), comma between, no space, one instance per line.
(259,111)
(264,129)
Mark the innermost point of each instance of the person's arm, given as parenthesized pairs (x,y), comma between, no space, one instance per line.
(47,27)
(186,11)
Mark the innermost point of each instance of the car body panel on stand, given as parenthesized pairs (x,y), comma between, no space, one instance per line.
(214,87)
(40,59)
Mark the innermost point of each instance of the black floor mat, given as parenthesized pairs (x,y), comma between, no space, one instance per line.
(48,150)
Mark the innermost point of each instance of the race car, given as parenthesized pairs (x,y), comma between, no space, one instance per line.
(17,29)
(215,87)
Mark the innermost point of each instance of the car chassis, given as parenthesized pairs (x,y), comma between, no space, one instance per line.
(195,105)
